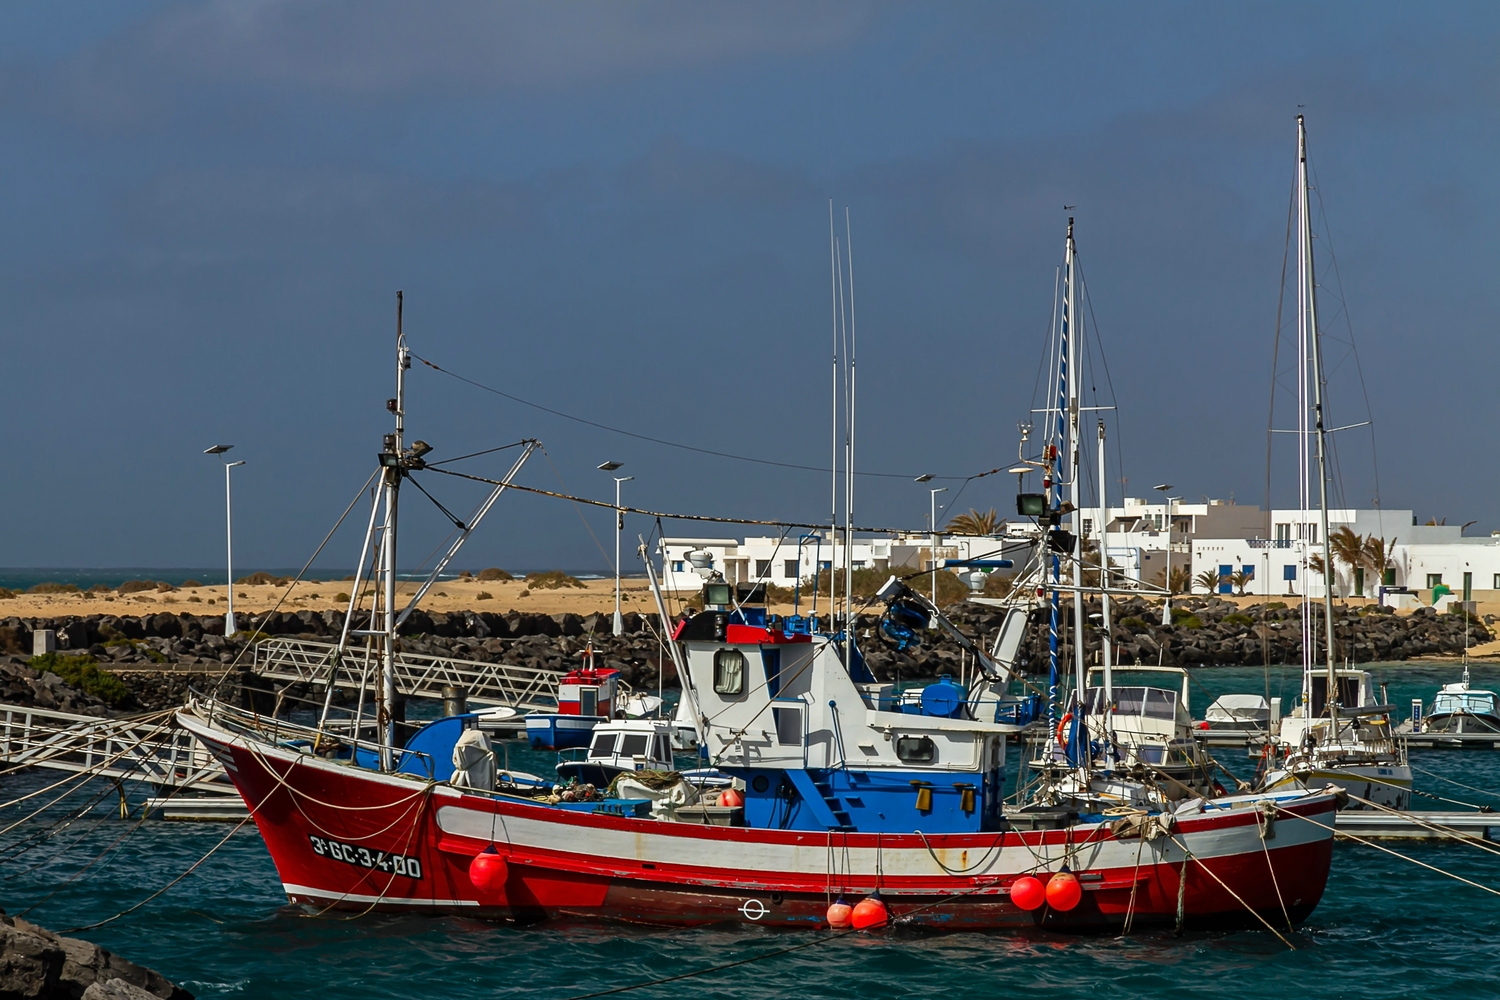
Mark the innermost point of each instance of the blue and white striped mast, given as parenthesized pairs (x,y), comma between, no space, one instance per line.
(1066,432)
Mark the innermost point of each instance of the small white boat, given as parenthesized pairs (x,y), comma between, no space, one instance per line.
(1459,708)
(1249,713)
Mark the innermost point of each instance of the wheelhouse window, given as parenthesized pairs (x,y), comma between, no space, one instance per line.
(604,745)
(729,672)
(915,749)
(634,745)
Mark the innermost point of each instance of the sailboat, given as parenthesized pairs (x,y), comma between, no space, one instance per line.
(823,793)
(1337,734)
(1109,746)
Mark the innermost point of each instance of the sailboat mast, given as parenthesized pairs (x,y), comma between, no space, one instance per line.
(1070,345)
(833,515)
(849,460)
(1316,355)
(1106,628)
(386,708)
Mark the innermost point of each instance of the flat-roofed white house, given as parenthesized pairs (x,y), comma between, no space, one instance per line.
(798,556)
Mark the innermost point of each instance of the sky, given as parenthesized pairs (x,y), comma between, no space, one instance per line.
(620,211)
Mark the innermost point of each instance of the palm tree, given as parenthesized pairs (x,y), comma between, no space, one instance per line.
(974,523)
(1241,580)
(1208,580)
(1378,556)
(1347,548)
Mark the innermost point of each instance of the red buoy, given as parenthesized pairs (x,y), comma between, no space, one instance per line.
(1204,725)
(869,913)
(488,870)
(1028,892)
(840,913)
(731,798)
(1063,891)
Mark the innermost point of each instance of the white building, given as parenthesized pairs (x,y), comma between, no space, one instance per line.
(785,561)
(1422,556)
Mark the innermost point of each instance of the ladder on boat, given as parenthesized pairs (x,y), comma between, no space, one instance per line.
(305,661)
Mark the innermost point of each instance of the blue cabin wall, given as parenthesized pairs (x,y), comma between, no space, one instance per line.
(871,801)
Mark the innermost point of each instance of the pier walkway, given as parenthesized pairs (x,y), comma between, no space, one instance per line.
(305,661)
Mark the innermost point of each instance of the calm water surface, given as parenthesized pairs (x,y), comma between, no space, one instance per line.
(1386,928)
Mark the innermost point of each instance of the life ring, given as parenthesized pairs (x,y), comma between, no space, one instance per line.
(1062,723)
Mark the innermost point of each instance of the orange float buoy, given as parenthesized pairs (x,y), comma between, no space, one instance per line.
(1063,891)
(840,913)
(488,870)
(1027,892)
(731,798)
(870,912)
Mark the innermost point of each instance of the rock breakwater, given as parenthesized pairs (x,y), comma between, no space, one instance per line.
(162,657)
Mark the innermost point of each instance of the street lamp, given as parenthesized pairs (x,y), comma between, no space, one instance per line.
(229,626)
(933,525)
(1166,606)
(619,524)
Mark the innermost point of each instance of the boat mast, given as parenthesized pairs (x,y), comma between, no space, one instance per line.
(849,459)
(833,516)
(385,708)
(1316,356)
(1106,629)
(1070,347)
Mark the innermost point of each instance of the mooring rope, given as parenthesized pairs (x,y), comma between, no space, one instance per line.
(1387,850)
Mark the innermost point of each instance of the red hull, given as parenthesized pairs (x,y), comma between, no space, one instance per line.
(346,838)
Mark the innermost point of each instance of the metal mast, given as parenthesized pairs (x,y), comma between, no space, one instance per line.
(390,458)
(1106,629)
(1316,358)
(1070,347)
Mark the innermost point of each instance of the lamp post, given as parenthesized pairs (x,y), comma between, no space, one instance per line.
(619,524)
(932,497)
(1166,606)
(229,626)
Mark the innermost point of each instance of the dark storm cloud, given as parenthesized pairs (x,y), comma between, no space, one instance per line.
(621,211)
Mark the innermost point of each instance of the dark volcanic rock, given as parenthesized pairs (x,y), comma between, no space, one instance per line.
(36,963)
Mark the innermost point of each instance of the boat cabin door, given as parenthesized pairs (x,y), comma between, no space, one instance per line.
(588,701)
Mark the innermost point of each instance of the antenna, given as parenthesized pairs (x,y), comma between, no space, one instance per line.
(833,516)
(849,467)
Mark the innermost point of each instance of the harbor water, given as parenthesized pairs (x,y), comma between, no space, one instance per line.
(1386,927)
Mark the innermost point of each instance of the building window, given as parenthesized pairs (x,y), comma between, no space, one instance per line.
(1389,578)
(1497,581)
(1434,579)
(1289,572)
(1284,532)
(762,568)
(677,566)
(790,570)
(729,672)
(1088,526)
(859,564)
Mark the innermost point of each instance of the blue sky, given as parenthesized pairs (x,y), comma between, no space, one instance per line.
(620,210)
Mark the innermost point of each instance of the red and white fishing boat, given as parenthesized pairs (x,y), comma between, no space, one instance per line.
(823,789)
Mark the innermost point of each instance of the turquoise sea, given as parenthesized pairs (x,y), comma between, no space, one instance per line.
(1386,927)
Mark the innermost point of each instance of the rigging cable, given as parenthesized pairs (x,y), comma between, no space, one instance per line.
(657,440)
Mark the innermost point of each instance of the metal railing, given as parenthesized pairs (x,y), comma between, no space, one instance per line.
(146,748)
(306,661)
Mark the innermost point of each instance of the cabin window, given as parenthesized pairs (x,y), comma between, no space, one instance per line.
(604,745)
(915,749)
(1160,704)
(634,745)
(663,751)
(788,725)
(729,672)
